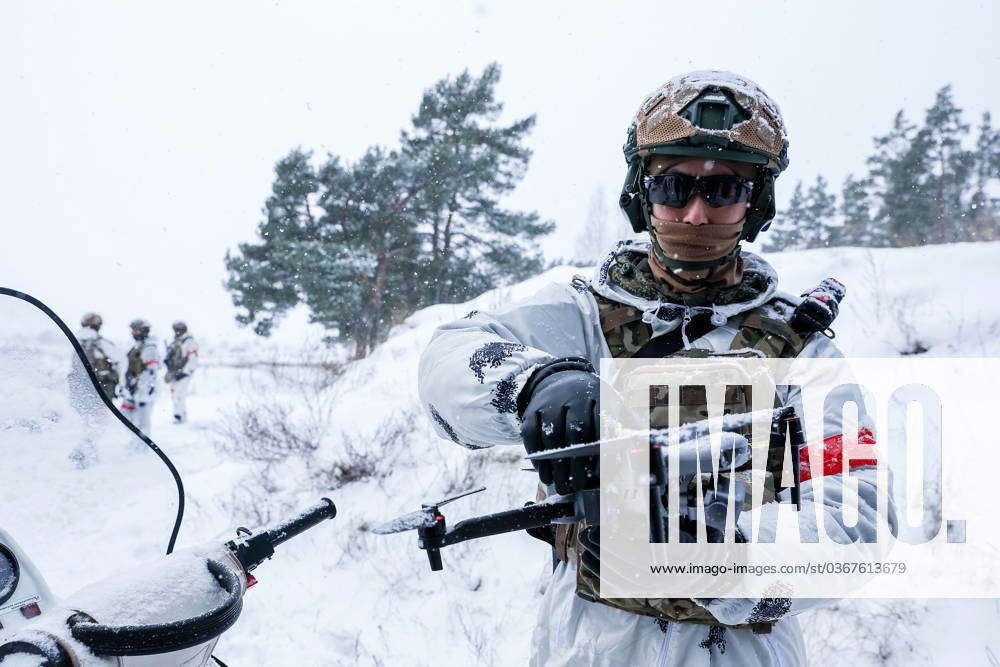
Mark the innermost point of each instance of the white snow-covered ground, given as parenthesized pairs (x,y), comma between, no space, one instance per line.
(343,595)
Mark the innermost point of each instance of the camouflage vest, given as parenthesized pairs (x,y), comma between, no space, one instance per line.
(105,370)
(176,359)
(762,330)
(135,363)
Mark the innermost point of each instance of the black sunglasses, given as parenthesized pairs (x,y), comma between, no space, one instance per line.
(674,189)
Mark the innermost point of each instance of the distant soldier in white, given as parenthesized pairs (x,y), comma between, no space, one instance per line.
(182,357)
(102,355)
(139,390)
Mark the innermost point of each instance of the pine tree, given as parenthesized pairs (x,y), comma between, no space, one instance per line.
(344,265)
(858,228)
(916,190)
(984,210)
(465,162)
(362,266)
(264,277)
(363,245)
(820,208)
(949,166)
(787,232)
(900,174)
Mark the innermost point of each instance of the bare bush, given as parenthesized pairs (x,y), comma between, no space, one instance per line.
(874,277)
(903,311)
(471,471)
(269,427)
(254,500)
(479,639)
(352,465)
(265,432)
(880,631)
(355,543)
(315,366)
(348,647)
(375,458)
(465,475)
(279,433)
(971,336)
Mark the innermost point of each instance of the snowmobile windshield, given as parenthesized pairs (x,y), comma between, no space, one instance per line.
(80,494)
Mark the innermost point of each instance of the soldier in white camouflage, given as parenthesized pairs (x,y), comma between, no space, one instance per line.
(102,355)
(181,360)
(703,152)
(139,386)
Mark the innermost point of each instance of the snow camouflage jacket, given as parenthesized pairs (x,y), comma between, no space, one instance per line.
(102,355)
(469,379)
(181,357)
(140,374)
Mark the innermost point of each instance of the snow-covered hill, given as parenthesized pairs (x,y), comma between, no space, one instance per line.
(343,595)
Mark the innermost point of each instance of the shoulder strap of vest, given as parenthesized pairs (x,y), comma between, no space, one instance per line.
(624,331)
(771,336)
(759,330)
(672,341)
(613,314)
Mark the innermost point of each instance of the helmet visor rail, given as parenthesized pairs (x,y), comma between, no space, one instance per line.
(675,189)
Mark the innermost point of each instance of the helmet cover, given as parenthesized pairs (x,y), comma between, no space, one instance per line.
(712,114)
(92,320)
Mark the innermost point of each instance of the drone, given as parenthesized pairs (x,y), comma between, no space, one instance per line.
(433,532)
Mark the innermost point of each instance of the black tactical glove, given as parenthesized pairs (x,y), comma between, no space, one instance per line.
(559,406)
(180,375)
(819,308)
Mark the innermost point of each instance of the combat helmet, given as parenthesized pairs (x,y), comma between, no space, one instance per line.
(715,115)
(92,321)
(180,327)
(140,325)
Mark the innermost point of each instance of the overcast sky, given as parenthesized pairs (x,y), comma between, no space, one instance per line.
(138,138)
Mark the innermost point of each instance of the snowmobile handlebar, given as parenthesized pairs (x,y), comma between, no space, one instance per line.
(252,550)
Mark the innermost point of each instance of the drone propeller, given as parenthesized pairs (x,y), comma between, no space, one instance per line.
(451,498)
(422,518)
(425,517)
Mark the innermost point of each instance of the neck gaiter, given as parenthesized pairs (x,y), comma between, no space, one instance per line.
(695,243)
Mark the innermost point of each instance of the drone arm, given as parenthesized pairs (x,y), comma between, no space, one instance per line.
(509,521)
